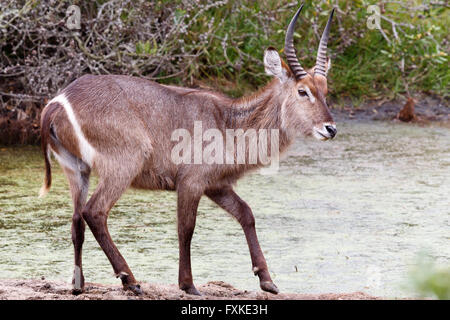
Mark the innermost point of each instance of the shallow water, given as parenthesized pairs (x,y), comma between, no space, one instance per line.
(347,215)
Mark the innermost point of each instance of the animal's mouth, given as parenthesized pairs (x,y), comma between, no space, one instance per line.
(319,135)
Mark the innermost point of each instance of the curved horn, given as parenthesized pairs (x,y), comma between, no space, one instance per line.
(322,52)
(289,49)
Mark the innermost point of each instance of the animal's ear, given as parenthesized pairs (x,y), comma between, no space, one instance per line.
(274,66)
(320,80)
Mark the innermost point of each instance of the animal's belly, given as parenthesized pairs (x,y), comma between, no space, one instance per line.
(153,181)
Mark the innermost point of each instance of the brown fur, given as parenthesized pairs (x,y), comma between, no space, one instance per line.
(129,121)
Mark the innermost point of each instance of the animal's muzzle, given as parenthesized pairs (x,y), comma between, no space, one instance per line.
(331,129)
(327,131)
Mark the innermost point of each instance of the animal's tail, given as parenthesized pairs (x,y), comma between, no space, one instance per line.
(46,132)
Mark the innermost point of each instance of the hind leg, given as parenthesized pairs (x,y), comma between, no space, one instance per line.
(95,213)
(78,177)
(77,173)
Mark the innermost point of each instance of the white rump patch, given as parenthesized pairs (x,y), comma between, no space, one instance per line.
(65,159)
(86,150)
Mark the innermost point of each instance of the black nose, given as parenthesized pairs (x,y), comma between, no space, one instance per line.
(331,130)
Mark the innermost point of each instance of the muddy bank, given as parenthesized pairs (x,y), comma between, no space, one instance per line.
(428,109)
(215,290)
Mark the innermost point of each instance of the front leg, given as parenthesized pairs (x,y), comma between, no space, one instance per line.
(187,205)
(233,204)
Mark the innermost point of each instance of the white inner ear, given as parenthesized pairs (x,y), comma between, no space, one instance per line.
(310,95)
(272,65)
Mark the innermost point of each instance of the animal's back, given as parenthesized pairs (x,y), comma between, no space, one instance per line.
(95,121)
(122,121)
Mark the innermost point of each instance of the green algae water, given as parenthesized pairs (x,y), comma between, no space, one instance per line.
(340,216)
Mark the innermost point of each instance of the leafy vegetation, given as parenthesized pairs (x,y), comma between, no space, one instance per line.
(218,44)
(430,280)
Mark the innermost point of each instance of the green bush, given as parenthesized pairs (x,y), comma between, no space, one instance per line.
(430,280)
(220,44)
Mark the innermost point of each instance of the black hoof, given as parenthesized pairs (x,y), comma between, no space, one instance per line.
(136,289)
(77,291)
(77,287)
(269,287)
(192,290)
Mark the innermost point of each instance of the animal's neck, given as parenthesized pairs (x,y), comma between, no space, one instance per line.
(252,111)
(260,110)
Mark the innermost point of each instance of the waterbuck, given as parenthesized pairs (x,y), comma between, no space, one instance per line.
(121,127)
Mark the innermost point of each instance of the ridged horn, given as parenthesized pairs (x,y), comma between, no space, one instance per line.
(289,49)
(322,52)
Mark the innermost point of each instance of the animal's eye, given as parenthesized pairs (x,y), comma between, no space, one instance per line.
(302,93)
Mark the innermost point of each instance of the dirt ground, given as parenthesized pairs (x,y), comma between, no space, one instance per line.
(216,290)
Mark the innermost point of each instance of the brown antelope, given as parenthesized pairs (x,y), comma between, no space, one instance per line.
(120,128)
